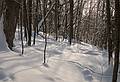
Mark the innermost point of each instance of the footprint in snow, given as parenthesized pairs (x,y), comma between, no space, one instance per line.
(87,75)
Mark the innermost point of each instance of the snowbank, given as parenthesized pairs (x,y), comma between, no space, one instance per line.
(3,45)
(65,63)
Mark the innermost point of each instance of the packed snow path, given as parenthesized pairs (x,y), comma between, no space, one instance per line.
(65,63)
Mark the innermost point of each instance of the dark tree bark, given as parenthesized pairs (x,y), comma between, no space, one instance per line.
(30,22)
(21,28)
(66,22)
(25,19)
(35,22)
(109,40)
(80,11)
(39,15)
(10,21)
(45,31)
(1,7)
(117,40)
(56,19)
(71,21)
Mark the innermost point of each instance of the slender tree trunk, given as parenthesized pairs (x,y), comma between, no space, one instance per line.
(21,28)
(39,15)
(25,19)
(117,41)
(45,31)
(35,22)
(30,22)
(81,6)
(109,40)
(55,19)
(71,21)
(66,22)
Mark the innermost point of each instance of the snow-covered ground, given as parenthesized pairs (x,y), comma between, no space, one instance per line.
(65,63)
(3,45)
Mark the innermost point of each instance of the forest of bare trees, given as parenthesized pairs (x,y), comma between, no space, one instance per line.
(96,22)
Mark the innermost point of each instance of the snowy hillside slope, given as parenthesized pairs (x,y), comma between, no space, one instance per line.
(65,63)
(3,45)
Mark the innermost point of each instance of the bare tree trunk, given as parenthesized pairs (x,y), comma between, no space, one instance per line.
(35,22)
(25,19)
(1,7)
(39,14)
(109,40)
(11,17)
(66,22)
(21,28)
(80,12)
(30,22)
(45,29)
(55,19)
(117,41)
(71,21)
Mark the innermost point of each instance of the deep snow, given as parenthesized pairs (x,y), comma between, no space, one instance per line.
(65,63)
(3,45)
